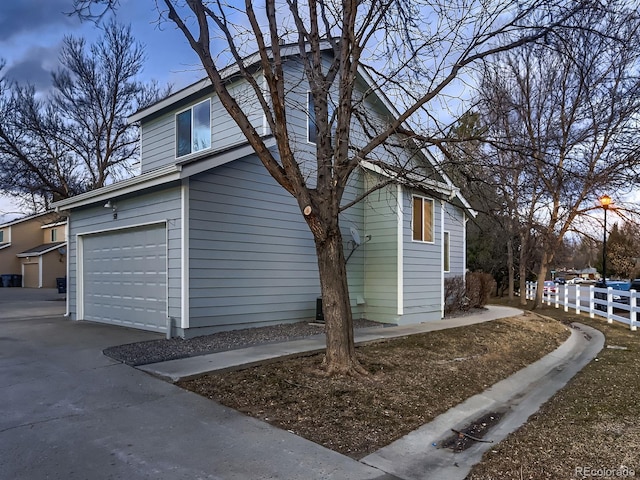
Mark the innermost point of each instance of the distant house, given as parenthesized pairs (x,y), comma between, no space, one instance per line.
(205,240)
(34,250)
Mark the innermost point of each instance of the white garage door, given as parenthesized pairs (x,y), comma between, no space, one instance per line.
(125,277)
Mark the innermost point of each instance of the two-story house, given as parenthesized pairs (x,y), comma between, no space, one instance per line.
(33,251)
(205,240)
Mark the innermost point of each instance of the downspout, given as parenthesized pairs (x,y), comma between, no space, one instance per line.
(441,259)
(66,236)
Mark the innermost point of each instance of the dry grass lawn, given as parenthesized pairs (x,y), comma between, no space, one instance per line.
(411,381)
(591,428)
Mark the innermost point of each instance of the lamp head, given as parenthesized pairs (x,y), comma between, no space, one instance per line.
(605,201)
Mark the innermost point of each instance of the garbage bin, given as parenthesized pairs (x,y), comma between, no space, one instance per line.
(6,280)
(16,280)
(61,283)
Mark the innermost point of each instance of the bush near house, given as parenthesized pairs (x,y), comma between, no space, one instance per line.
(461,294)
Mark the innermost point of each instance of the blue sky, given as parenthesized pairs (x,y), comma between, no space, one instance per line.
(31,33)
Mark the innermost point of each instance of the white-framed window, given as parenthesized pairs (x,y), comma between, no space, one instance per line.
(312,128)
(193,129)
(54,235)
(422,219)
(1,236)
(447,252)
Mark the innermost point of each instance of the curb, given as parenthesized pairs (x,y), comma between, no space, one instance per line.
(416,456)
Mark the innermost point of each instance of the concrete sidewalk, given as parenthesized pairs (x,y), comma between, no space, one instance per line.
(184,368)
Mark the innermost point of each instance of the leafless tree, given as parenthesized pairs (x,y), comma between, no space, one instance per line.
(77,138)
(415,51)
(566,108)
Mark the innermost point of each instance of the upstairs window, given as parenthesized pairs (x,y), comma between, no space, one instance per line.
(312,128)
(1,236)
(422,219)
(193,129)
(54,235)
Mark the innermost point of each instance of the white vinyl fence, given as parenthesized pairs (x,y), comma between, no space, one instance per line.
(614,305)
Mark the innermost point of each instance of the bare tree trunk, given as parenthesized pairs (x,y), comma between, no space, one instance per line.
(523,272)
(341,355)
(510,271)
(542,274)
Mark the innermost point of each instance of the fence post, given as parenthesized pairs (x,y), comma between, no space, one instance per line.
(566,297)
(632,310)
(578,309)
(591,303)
(609,304)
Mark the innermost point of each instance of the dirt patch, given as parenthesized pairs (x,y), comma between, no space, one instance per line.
(411,381)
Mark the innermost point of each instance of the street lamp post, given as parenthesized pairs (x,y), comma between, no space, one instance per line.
(605,202)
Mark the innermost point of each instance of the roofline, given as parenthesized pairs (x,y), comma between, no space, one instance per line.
(149,179)
(26,219)
(391,107)
(288,50)
(56,224)
(434,185)
(444,188)
(5,245)
(39,254)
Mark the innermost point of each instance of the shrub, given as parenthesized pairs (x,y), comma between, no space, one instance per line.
(455,298)
(478,288)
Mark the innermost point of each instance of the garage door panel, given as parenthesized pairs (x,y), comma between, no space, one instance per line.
(125,277)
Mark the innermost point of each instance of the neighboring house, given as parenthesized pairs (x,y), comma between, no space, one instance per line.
(33,250)
(205,240)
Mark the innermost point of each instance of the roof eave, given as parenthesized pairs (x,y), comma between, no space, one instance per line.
(226,73)
(159,176)
(43,252)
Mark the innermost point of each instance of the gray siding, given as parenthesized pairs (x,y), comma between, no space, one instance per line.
(157,139)
(252,258)
(422,265)
(381,254)
(158,134)
(157,206)
(454,224)
(354,217)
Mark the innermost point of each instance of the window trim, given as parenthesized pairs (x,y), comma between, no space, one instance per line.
(433,222)
(54,235)
(446,251)
(1,236)
(175,126)
(311,118)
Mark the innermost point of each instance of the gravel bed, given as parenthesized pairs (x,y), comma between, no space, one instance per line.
(154,351)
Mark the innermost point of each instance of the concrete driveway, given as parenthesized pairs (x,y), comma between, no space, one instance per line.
(68,412)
